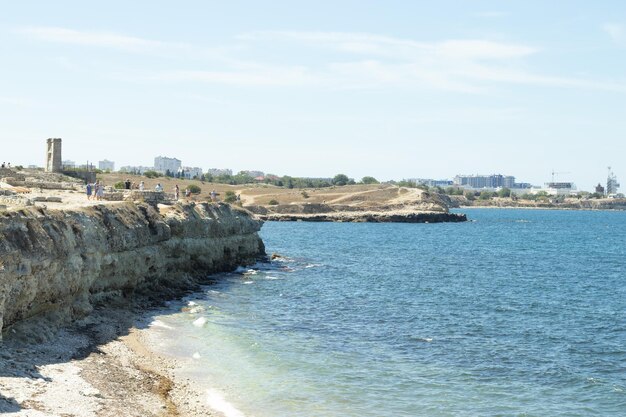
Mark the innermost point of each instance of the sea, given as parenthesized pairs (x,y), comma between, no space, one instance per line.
(513,313)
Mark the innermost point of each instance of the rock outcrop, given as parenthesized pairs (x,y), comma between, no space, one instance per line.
(368,217)
(61,263)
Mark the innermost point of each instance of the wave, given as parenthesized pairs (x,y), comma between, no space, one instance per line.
(159,323)
(216,401)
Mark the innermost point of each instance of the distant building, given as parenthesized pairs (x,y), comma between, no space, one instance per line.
(131,169)
(106,165)
(600,189)
(190,172)
(166,165)
(216,172)
(557,188)
(432,183)
(254,174)
(67,164)
(611,183)
(484,181)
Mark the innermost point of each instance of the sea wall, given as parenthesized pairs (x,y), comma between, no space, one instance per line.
(61,263)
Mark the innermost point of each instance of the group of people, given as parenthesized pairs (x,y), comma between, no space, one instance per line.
(95,190)
(177,192)
(6,165)
(130,185)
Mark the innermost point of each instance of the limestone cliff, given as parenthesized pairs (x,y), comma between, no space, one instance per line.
(63,262)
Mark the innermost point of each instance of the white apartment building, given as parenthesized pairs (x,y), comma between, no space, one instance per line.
(135,169)
(163,165)
(219,171)
(191,172)
(106,165)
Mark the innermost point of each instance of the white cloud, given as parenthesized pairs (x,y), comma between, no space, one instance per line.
(478,49)
(268,76)
(616,32)
(338,60)
(103,39)
(364,43)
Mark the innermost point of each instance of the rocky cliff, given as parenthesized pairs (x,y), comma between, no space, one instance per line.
(61,263)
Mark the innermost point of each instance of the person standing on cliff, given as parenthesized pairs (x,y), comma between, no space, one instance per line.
(142,186)
(100,192)
(176,192)
(127,184)
(88,191)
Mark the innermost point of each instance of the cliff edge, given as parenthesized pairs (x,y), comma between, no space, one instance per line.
(59,264)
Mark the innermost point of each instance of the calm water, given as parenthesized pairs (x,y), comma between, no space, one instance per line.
(519,312)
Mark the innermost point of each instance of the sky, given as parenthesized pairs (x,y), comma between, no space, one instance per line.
(390,89)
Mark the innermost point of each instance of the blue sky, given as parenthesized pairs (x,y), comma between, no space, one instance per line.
(393,89)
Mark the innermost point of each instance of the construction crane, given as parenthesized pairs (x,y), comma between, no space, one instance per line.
(611,183)
(557,174)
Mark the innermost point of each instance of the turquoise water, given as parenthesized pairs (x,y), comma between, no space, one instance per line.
(519,312)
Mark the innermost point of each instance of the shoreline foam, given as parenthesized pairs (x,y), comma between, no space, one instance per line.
(85,371)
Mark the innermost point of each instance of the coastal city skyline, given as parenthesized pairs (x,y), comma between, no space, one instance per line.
(172,166)
(363,88)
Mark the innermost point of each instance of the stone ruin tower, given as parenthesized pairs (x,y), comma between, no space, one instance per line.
(53,155)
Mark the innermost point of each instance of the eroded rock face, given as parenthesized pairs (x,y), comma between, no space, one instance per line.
(63,262)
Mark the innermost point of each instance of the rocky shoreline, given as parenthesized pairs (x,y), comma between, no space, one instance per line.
(425,213)
(75,285)
(79,280)
(102,365)
(59,264)
(368,217)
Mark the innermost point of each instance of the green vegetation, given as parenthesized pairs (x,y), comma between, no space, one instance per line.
(369,180)
(230,197)
(304,194)
(454,191)
(152,174)
(273,202)
(486,195)
(194,189)
(504,192)
(119,185)
(341,179)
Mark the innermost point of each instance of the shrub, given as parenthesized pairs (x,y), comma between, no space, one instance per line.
(119,185)
(194,189)
(152,174)
(485,195)
(230,197)
(304,194)
(504,192)
(273,202)
(341,179)
(369,180)
(469,195)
